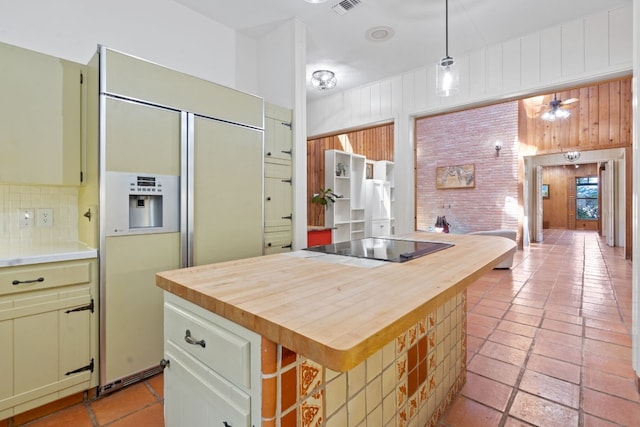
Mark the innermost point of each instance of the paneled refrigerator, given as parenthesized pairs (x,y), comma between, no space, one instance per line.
(180,184)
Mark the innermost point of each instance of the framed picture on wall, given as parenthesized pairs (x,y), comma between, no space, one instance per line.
(459,176)
(369,172)
(545,191)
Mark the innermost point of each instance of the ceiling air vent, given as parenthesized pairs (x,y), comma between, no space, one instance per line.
(345,6)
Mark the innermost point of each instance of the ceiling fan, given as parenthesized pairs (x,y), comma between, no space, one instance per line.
(558,109)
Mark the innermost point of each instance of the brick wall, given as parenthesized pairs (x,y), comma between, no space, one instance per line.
(469,137)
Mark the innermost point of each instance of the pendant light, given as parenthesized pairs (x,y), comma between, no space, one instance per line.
(446,71)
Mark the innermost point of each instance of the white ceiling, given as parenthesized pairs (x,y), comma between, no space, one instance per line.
(338,42)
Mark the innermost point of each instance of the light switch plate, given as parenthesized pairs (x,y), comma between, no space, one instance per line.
(45,217)
(26,218)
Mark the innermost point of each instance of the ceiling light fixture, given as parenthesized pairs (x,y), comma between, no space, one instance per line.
(323,79)
(447,75)
(556,112)
(572,156)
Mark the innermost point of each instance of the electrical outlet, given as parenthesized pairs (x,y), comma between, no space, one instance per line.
(45,217)
(26,218)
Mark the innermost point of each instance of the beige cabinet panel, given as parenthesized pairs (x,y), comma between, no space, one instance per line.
(278,241)
(278,191)
(139,134)
(179,90)
(277,134)
(133,332)
(36,351)
(6,364)
(40,118)
(46,333)
(228,174)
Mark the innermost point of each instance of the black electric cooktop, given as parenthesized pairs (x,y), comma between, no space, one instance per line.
(383,249)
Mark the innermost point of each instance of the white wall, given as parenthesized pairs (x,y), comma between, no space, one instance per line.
(636,190)
(276,71)
(590,49)
(160,31)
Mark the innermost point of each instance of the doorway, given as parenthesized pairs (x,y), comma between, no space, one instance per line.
(560,208)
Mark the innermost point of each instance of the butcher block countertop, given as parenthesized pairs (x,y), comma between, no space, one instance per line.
(336,310)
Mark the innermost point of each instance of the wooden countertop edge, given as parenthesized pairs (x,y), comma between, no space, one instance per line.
(332,357)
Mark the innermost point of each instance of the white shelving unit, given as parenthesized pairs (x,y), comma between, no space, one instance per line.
(344,174)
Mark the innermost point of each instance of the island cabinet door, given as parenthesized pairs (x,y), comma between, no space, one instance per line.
(196,396)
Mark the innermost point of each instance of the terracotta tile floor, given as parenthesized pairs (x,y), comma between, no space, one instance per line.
(138,405)
(549,342)
(548,345)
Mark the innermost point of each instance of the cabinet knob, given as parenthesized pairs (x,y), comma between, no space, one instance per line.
(268,198)
(226,424)
(268,155)
(164,363)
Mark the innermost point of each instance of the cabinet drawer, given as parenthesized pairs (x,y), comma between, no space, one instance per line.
(380,228)
(197,396)
(277,241)
(227,353)
(44,276)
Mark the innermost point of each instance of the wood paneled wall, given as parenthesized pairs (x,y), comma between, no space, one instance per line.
(375,143)
(601,118)
(555,209)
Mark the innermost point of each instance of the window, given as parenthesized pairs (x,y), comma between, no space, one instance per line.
(587,198)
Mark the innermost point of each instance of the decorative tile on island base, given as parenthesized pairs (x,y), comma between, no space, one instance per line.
(411,381)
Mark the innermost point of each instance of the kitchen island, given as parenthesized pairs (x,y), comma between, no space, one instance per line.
(341,340)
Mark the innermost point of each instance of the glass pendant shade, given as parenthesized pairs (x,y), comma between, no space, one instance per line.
(447,77)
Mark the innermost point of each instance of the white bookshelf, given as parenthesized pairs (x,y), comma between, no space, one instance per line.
(347,215)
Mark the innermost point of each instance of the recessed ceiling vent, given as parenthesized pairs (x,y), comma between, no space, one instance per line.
(345,6)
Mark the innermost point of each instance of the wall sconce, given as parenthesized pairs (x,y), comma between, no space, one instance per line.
(498,147)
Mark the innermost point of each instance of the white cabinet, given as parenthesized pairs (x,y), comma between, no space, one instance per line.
(278,184)
(40,117)
(213,372)
(378,210)
(344,174)
(380,220)
(48,333)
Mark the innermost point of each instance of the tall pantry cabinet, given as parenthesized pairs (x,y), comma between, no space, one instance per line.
(278,180)
(48,316)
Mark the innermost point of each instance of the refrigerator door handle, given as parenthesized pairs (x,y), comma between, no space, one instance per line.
(186,188)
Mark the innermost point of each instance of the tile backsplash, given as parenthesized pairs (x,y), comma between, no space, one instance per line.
(63,202)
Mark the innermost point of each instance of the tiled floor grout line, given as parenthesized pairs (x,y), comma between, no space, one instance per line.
(583,339)
(516,386)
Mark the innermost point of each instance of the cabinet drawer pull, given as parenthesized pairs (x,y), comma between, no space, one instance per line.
(187,338)
(18,282)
